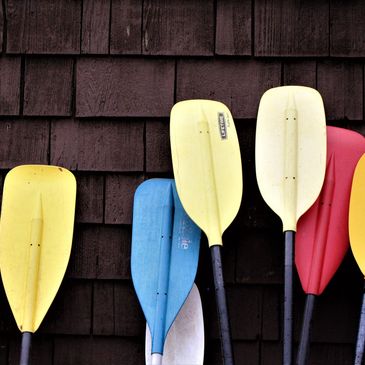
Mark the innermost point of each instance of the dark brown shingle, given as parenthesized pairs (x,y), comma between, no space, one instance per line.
(233,27)
(95,26)
(116,87)
(9,85)
(43,26)
(126,27)
(48,86)
(178,28)
(291,28)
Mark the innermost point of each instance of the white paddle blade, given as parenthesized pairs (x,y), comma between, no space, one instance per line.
(184,343)
(290,150)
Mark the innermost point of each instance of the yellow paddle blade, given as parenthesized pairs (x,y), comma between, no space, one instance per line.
(290,150)
(357,214)
(207,164)
(37,220)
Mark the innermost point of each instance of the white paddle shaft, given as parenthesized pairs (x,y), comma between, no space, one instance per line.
(156,359)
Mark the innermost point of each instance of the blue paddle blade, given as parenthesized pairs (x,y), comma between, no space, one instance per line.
(165,253)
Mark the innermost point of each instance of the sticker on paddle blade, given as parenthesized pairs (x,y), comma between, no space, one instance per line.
(322,238)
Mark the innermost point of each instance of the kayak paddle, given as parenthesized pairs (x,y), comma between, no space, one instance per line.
(322,236)
(208,173)
(164,258)
(184,343)
(290,168)
(357,241)
(37,220)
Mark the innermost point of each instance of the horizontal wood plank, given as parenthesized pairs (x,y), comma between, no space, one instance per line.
(133,87)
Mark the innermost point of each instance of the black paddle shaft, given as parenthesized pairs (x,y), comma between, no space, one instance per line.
(220,295)
(360,342)
(288,298)
(303,350)
(25,348)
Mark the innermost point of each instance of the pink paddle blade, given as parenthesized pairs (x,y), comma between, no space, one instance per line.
(322,236)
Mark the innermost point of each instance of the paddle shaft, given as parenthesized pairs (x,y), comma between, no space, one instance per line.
(360,342)
(302,355)
(288,297)
(25,348)
(220,295)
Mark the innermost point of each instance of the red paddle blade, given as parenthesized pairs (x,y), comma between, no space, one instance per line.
(322,237)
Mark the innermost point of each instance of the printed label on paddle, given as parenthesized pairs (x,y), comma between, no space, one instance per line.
(222,125)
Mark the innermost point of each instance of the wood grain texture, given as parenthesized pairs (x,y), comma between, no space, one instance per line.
(300,72)
(71,311)
(64,150)
(1,27)
(103,308)
(291,28)
(95,26)
(90,198)
(9,85)
(100,252)
(117,87)
(237,83)
(20,145)
(347,26)
(126,27)
(116,310)
(233,28)
(129,319)
(98,350)
(43,26)
(158,152)
(341,86)
(258,257)
(48,86)
(119,194)
(110,146)
(178,28)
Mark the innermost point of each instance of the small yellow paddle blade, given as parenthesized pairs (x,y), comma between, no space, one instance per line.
(36,231)
(357,214)
(290,150)
(207,164)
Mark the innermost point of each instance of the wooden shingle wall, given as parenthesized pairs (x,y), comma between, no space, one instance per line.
(89,85)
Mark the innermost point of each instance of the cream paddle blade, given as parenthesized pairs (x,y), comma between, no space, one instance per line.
(207,164)
(290,150)
(290,169)
(208,174)
(357,242)
(35,239)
